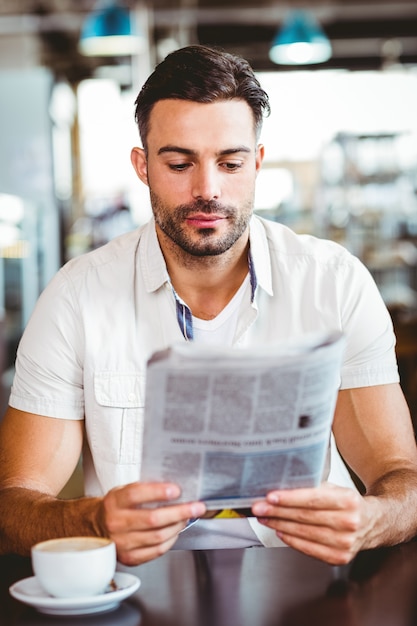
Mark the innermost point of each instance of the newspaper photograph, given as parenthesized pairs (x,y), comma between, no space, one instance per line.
(230,424)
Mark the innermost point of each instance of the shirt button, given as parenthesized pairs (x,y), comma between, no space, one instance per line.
(131,397)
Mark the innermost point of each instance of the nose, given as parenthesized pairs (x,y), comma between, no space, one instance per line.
(206,183)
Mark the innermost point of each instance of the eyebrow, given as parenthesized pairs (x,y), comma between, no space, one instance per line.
(188,151)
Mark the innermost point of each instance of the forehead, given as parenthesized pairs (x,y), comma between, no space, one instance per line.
(222,121)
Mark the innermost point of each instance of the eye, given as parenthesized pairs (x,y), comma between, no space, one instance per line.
(231,165)
(179,167)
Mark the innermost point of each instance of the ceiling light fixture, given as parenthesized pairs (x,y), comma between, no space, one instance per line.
(110,31)
(300,41)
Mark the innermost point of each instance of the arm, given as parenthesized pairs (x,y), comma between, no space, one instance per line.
(38,455)
(374,434)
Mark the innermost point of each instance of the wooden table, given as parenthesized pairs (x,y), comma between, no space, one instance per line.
(252,587)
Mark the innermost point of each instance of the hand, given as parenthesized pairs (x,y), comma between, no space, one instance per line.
(326,522)
(142,533)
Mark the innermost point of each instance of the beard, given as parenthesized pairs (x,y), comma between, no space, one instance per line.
(206,242)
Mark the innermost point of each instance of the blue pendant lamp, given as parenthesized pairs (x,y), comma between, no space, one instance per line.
(109,31)
(300,41)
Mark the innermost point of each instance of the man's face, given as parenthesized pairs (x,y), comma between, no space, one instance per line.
(201,168)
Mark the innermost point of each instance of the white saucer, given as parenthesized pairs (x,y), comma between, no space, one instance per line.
(30,592)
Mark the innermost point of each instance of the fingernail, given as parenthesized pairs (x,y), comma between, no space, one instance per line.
(273,498)
(198,509)
(172,491)
(260,508)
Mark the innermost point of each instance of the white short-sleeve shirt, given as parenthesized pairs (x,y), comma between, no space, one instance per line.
(83,354)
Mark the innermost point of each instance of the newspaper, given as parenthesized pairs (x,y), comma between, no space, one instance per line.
(230,424)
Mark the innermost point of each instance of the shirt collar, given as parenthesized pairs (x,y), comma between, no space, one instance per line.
(151,259)
(154,269)
(260,260)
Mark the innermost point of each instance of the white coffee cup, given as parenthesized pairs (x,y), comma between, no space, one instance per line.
(74,567)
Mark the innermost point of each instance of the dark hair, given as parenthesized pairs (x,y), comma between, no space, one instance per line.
(201,74)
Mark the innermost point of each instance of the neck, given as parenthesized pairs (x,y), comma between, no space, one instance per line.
(207,284)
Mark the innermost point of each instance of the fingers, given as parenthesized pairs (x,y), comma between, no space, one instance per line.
(127,510)
(309,504)
(327,522)
(142,532)
(334,555)
(144,553)
(135,547)
(318,505)
(135,495)
(327,496)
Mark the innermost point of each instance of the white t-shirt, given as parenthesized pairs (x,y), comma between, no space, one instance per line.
(83,354)
(221,330)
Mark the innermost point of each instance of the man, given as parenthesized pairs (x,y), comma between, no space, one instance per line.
(203,269)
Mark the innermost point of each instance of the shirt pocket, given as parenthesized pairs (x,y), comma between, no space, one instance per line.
(117,428)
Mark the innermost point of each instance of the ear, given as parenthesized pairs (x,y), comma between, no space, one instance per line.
(260,153)
(139,162)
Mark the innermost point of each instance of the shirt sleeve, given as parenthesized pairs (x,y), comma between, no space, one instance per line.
(49,365)
(370,357)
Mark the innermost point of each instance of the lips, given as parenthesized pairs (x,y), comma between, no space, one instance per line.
(203,220)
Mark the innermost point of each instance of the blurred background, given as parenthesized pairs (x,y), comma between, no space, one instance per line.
(341,142)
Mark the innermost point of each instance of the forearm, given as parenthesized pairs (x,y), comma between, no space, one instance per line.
(28,516)
(391,509)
